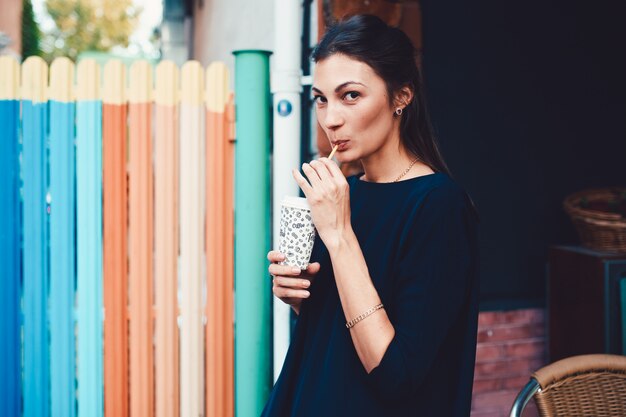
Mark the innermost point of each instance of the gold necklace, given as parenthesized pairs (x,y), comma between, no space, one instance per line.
(364,178)
(407,170)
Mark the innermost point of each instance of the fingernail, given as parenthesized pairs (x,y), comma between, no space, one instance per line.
(307,284)
(281,256)
(306,293)
(295,270)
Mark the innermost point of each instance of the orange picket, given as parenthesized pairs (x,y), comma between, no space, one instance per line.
(229,259)
(166,257)
(115,219)
(218,310)
(141,240)
(215,262)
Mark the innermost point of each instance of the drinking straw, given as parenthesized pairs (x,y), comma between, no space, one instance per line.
(333,152)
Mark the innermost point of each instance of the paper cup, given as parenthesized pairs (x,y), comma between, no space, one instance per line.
(297,232)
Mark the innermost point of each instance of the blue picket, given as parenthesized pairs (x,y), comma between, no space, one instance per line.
(35,233)
(10,224)
(89,257)
(62,273)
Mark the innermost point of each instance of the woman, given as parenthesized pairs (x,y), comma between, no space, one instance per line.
(387,312)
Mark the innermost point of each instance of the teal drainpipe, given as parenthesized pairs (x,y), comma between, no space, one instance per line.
(253,295)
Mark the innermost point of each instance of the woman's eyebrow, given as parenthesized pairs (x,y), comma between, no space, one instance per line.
(339,87)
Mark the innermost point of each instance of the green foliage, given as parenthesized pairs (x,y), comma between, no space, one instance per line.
(89,25)
(31,35)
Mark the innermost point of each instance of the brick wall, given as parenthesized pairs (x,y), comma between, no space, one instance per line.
(511,345)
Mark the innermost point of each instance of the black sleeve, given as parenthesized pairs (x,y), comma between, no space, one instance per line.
(431,283)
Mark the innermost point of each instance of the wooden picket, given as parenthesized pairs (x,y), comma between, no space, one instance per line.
(35,236)
(10,348)
(219,334)
(229,261)
(141,232)
(115,243)
(166,238)
(62,238)
(89,238)
(191,239)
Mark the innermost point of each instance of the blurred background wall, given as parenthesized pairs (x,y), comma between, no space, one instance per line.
(529,101)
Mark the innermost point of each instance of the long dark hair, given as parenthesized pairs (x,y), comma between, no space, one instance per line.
(390,53)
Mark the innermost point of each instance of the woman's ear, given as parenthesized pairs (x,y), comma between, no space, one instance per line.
(403,97)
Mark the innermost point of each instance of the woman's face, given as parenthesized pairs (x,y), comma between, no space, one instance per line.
(352,106)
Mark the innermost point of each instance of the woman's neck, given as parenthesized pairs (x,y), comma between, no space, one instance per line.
(389,162)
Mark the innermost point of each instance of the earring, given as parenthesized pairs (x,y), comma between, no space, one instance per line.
(398,111)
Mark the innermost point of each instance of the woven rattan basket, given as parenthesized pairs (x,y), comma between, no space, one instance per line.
(599,230)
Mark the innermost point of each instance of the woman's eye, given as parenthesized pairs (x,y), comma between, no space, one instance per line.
(351,95)
(319,99)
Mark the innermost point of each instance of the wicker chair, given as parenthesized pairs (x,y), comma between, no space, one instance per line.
(586,385)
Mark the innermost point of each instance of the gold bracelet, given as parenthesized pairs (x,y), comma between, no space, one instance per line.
(355,320)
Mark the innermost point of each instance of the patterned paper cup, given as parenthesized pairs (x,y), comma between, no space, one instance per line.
(297,232)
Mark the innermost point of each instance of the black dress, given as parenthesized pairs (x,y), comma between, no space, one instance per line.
(419,240)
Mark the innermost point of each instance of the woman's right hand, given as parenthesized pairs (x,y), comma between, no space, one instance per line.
(291,283)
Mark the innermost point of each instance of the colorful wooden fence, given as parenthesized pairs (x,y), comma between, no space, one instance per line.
(125,219)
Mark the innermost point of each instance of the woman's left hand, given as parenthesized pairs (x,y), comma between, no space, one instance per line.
(328,194)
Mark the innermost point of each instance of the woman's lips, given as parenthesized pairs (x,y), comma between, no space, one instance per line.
(343,144)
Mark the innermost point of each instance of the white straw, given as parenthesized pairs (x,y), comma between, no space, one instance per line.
(333,152)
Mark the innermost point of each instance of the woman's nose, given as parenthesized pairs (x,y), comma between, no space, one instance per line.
(332,119)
